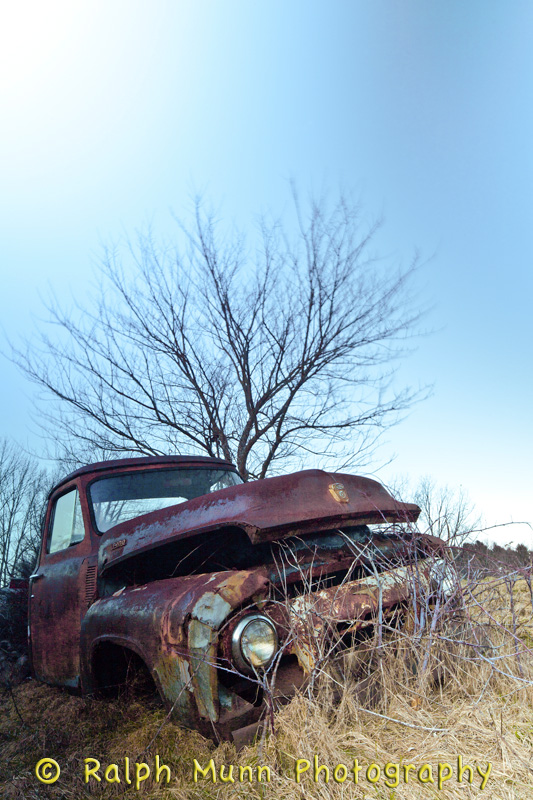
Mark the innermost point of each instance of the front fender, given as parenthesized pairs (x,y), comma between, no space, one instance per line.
(173,626)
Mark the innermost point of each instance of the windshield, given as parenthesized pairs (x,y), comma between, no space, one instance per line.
(131,494)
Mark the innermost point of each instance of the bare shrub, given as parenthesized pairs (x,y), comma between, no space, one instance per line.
(471,636)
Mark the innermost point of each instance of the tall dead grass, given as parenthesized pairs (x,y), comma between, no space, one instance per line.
(423,695)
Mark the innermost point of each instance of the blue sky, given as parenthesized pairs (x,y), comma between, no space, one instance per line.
(114,113)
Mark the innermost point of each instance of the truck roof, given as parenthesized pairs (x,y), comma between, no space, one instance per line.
(142,461)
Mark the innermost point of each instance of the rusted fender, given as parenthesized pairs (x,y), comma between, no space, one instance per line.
(356,601)
(172,625)
(309,617)
(267,509)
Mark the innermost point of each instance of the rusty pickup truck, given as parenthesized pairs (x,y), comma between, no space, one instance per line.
(218,589)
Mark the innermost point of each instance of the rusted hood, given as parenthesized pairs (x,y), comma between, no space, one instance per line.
(266,510)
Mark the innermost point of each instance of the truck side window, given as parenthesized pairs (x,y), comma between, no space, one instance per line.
(67,522)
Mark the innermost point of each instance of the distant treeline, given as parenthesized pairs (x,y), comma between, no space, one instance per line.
(479,556)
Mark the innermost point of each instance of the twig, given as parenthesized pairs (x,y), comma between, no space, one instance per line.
(9,690)
(405,724)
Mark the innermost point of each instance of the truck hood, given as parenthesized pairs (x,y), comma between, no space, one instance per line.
(268,509)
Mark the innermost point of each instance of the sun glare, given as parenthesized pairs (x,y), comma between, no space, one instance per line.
(32,38)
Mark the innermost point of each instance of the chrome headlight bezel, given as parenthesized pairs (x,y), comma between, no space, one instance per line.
(237,651)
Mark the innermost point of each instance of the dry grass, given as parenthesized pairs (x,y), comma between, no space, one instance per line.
(492,595)
(474,699)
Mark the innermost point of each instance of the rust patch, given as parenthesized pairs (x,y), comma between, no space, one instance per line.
(352,604)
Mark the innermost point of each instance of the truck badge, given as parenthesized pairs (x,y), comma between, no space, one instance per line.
(339,492)
(118,543)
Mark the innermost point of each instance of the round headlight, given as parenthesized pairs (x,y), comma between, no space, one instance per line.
(254,642)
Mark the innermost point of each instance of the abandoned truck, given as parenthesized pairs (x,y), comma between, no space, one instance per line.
(213,586)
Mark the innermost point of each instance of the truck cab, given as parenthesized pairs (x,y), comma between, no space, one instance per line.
(81,509)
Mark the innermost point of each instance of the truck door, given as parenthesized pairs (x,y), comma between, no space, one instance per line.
(58,592)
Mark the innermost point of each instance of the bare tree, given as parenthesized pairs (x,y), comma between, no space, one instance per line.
(23,489)
(446,512)
(261,354)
